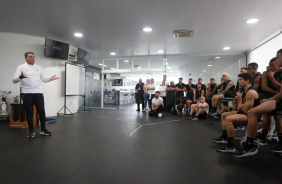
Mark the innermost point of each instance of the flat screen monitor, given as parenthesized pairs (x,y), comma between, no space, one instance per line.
(83,56)
(56,49)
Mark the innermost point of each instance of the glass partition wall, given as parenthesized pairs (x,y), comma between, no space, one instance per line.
(120,75)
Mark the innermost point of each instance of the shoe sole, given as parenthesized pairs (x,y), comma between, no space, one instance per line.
(276,151)
(223,142)
(45,134)
(248,154)
(226,151)
(30,136)
(261,143)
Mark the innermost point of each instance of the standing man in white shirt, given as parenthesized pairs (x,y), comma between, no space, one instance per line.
(157,105)
(151,91)
(30,75)
(165,81)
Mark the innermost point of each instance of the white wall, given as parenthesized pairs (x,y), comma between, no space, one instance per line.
(263,54)
(233,69)
(12,49)
(218,68)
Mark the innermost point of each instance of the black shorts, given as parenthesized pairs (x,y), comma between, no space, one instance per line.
(241,112)
(266,95)
(278,105)
(229,94)
(190,97)
(203,116)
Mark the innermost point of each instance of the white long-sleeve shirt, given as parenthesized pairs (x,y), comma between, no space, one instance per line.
(34,74)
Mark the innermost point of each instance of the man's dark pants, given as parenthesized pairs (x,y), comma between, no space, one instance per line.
(29,100)
(160,109)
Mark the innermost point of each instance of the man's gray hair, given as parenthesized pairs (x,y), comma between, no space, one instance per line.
(227,74)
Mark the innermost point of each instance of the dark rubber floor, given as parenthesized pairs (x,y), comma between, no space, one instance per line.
(102,147)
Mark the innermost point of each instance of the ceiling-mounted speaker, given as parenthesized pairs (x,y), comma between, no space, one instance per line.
(184,33)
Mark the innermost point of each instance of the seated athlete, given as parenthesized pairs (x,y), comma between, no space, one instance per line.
(227,91)
(180,104)
(238,91)
(268,106)
(253,69)
(211,90)
(250,99)
(190,92)
(157,107)
(201,109)
(219,90)
(268,89)
(199,92)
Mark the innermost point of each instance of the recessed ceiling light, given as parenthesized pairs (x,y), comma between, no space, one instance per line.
(170,71)
(166,63)
(165,59)
(226,48)
(168,67)
(102,64)
(126,61)
(113,68)
(252,21)
(209,65)
(204,70)
(217,57)
(113,53)
(147,29)
(160,51)
(78,35)
(201,74)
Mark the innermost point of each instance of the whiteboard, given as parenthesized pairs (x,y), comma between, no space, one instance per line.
(75,79)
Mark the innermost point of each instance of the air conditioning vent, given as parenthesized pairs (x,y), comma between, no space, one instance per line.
(184,33)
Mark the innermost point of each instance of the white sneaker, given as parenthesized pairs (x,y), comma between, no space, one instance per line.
(160,115)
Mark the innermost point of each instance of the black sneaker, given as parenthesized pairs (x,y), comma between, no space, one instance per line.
(195,118)
(189,117)
(277,149)
(246,151)
(45,132)
(226,149)
(31,135)
(220,140)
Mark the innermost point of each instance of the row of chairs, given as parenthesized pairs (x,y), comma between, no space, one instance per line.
(128,98)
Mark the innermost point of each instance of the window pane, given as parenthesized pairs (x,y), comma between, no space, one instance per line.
(124,63)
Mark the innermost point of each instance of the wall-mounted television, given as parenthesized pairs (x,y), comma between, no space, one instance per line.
(56,49)
(83,56)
